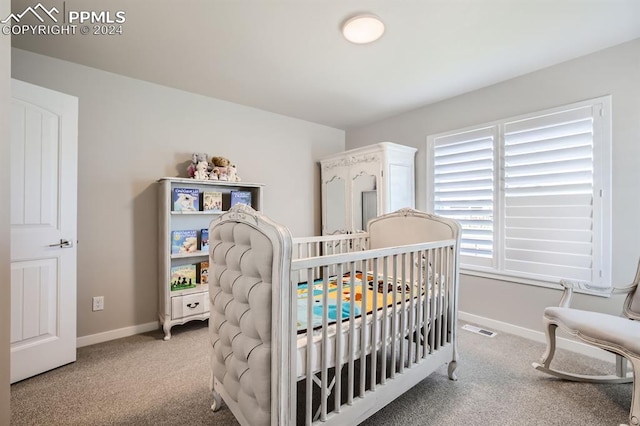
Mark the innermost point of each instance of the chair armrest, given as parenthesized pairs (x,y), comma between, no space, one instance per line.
(567,293)
(623,290)
(570,285)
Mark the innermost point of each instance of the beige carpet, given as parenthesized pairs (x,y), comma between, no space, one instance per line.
(143,380)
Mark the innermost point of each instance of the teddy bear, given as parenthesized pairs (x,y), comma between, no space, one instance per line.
(189,245)
(202,170)
(220,161)
(223,169)
(220,168)
(196,158)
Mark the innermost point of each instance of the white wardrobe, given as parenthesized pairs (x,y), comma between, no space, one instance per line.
(366,182)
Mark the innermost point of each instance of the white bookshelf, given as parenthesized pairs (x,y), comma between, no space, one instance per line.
(176,307)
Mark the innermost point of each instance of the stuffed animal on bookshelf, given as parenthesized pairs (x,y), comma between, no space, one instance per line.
(220,161)
(189,245)
(196,157)
(219,168)
(202,170)
(232,173)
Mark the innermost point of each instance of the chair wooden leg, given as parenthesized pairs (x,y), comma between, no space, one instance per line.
(634,415)
(621,366)
(217,401)
(544,365)
(551,344)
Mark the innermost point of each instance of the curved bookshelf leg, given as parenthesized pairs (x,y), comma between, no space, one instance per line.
(167,330)
(217,401)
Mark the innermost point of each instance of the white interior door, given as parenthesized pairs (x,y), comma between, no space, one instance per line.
(44,128)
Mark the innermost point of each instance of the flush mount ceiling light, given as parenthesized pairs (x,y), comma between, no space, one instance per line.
(362,29)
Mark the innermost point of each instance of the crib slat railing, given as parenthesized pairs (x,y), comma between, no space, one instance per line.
(396,335)
(412,315)
(363,326)
(374,325)
(352,335)
(307,247)
(403,310)
(385,315)
(313,247)
(439,337)
(394,315)
(426,317)
(339,344)
(449,286)
(309,372)
(324,375)
(422,290)
(432,300)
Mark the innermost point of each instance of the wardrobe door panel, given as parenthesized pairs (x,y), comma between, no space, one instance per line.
(336,206)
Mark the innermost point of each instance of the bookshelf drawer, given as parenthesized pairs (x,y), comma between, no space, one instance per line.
(190,304)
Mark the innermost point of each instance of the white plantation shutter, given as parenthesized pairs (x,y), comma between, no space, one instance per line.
(532,194)
(463,189)
(548,194)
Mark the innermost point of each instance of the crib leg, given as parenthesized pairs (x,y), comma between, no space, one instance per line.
(453,364)
(217,401)
(451,370)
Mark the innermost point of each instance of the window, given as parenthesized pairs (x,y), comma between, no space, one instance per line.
(532,193)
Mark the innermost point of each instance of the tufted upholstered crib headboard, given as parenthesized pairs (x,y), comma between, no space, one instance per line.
(249,291)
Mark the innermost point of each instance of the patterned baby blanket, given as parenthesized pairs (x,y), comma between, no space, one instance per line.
(372,288)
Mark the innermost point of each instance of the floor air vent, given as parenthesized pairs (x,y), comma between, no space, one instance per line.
(479,330)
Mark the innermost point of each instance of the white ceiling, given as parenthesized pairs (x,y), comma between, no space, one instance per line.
(288,57)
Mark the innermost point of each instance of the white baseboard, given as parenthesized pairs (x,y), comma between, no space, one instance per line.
(538,336)
(92,339)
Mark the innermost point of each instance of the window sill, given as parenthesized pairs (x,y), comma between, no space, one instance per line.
(528,281)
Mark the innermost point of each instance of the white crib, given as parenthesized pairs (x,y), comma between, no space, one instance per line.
(379,316)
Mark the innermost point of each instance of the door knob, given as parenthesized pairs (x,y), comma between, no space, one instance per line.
(62,244)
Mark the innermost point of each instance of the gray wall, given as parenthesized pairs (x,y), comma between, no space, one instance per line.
(614,71)
(5,288)
(130,134)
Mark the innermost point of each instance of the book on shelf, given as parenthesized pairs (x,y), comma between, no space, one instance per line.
(186,199)
(204,272)
(211,201)
(204,239)
(183,276)
(185,241)
(240,197)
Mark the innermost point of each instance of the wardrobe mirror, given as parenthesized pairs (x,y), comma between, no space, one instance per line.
(363,182)
(369,207)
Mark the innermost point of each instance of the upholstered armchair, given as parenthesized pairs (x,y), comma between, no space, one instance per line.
(617,334)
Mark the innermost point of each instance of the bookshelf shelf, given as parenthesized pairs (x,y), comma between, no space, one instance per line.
(178,306)
(198,253)
(195,213)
